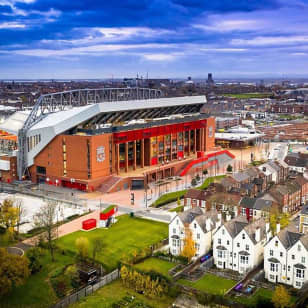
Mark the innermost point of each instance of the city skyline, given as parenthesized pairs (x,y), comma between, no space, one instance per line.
(79,39)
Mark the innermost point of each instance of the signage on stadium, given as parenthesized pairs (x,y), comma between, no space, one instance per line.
(100,154)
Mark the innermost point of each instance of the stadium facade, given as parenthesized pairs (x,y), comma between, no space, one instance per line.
(84,140)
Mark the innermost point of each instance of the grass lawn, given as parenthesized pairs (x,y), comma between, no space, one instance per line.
(124,237)
(37,292)
(157,265)
(210,180)
(169,197)
(177,209)
(113,293)
(252,300)
(210,284)
(249,95)
(174,196)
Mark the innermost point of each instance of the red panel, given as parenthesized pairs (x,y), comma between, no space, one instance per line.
(105,216)
(180,154)
(89,224)
(157,131)
(154,161)
(200,154)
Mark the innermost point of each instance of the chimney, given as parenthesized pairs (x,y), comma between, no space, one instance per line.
(208,224)
(277,228)
(235,211)
(228,217)
(267,227)
(258,235)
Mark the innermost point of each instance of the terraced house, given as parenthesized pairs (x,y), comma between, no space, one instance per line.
(238,245)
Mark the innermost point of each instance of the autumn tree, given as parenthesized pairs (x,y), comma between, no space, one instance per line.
(8,215)
(14,271)
(98,246)
(281,298)
(189,249)
(45,219)
(82,245)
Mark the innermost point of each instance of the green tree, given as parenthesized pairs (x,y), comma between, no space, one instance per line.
(284,220)
(178,201)
(281,298)
(34,255)
(98,246)
(14,270)
(82,245)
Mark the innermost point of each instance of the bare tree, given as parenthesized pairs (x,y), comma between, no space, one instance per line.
(46,219)
(22,212)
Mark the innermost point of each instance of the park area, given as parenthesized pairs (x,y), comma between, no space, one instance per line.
(126,237)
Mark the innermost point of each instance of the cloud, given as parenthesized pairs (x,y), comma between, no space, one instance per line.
(160,57)
(12,25)
(270,40)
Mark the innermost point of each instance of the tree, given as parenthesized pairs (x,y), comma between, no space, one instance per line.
(34,255)
(229,168)
(82,245)
(14,271)
(284,220)
(8,215)
(21,213)
(281,297)
(98,245)
(45,219)
(193,182)
(189,249)
(178,201)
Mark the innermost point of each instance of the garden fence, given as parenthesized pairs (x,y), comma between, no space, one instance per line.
(76,296)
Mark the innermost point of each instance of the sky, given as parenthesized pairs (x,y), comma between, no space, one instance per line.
(82,39)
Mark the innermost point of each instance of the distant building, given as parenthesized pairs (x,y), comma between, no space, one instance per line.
(210,81)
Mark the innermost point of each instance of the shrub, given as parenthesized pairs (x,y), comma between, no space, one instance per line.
(61,286)
(34,255)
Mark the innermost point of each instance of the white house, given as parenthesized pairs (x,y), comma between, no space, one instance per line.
(239,245)
(202,225)
(286,257)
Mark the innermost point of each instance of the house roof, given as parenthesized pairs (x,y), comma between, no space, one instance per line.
(188,216)
(196,194)
(236,225)
(253,226)
(248,202)
(201,220)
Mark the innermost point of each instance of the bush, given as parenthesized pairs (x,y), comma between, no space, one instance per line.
(61,286)
(170,197)
(174,291)
(34,255)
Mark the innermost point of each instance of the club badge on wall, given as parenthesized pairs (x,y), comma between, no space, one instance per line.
(100,154)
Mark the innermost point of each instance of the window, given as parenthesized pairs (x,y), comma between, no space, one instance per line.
(303,259)
(220,254)
(293,257)
(243,236)
(219,241)
(230,254)
(174,230)
(299,273)
(244,259)
(41,170)
(281,254)
(223,231)
(298,284)
(272,277)
(195,226)
(174,242)
(198,236)
(274,267)
(299,248)
(271,252)
(177,222)
(276,243)
(238,245)
(228,242)
(289,268)
(247,247)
